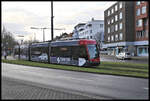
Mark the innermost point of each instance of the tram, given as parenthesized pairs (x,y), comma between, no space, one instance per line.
(82,52)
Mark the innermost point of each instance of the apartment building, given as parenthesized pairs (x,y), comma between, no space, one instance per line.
(119,28)
(77,29)
(93,29)
(141,28)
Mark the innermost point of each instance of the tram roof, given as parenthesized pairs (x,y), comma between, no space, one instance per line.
(72,42)
(64,43)
(41,44)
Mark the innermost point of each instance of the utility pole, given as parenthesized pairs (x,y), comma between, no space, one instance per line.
(52,26)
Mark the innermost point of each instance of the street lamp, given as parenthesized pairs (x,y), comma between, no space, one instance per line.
(46,28)
(41,29)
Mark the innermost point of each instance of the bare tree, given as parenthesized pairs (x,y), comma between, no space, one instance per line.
(8,41)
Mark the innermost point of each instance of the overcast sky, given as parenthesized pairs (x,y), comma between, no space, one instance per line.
(18,17)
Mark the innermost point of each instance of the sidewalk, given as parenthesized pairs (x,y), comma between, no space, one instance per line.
(8,58)
(140,57)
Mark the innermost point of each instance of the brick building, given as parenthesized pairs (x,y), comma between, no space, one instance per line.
(119,28)
(141,28)
(126,28)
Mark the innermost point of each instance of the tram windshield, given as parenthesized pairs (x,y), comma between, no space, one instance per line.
(93,51)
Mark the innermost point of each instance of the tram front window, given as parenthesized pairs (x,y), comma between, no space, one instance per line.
(93,51)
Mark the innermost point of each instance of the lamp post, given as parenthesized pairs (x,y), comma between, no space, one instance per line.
(47,28)
(41,29)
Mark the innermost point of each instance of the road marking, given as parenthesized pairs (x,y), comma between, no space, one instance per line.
(65,77)
(145,88)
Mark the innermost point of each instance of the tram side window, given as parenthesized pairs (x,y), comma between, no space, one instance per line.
(35,51)
(75,52)
(65,51)
(54,51)
(61,51)
(40,50)
(79,51)
(43,50)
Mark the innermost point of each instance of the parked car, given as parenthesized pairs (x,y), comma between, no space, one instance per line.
(43,57)
(124,55)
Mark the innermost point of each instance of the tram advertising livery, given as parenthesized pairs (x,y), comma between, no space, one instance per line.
(81,52)
(39,52)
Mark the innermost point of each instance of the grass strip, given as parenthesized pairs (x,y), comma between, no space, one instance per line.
(100,70)
(124,69)
(121,64)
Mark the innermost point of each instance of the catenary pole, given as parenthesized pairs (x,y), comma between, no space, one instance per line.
(52,26)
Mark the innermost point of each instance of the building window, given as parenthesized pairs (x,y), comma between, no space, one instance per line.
(112,38)
(138,12)
(139,23)
(120,36)
(120,26)
(120,15)
(90,31)
(112,11)
(108,12)
(140,34)
(101,25)
(108,30)
(146,32)
(138,3)
(116,27)
(112,20)
(143,9)
(142,50)
(108,38)
(91,37)
(116,37)
(143,33)
(142,1)
(120,5)
(108,21)
(145,21)
(116,7)
(112,28)
(116,17)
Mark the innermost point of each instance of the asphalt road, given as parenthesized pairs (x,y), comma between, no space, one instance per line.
(33,82)
(143,60)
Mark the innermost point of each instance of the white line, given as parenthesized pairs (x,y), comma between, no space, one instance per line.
(65,77)
(145,88)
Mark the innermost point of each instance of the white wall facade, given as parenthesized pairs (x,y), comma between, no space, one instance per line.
(93,29)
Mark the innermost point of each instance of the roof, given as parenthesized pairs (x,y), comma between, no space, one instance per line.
(42,44)
(72,42)
(80,24)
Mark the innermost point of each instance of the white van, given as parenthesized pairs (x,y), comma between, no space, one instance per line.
(124,55)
